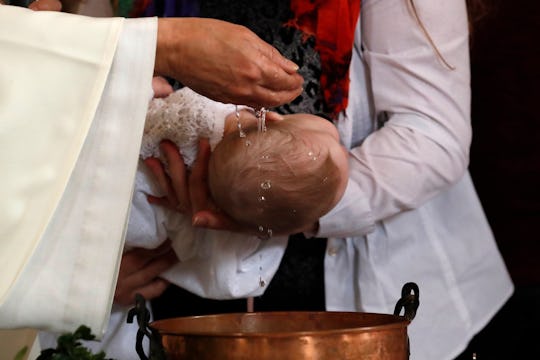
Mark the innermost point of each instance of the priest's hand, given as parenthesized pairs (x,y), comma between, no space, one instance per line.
(225,62)
(46,5)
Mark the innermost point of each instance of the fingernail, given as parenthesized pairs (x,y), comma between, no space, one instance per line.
(199,221)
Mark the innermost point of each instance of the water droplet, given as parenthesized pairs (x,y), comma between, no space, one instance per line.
(262,198)
(261,228)
(325,180)
(239,124)
(265,157)
(310,153)
(266,184)
(261,117)
(269,232)
(248,143)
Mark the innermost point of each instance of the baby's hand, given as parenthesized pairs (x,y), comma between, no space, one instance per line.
(46,5)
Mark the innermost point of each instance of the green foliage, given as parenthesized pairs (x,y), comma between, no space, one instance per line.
(69,347)
(21,354)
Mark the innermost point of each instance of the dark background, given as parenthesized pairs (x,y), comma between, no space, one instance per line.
(505,154)
(505,166)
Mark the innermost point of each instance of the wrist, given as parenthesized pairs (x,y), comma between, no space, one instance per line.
(166,47)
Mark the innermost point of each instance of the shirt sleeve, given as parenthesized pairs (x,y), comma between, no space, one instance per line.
(418,71)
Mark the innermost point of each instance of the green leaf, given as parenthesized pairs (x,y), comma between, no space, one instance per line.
(21,353)
(70,348)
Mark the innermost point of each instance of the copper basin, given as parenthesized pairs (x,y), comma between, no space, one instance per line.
(285,335)
(280,335)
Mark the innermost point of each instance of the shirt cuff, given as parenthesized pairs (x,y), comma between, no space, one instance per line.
(350,217)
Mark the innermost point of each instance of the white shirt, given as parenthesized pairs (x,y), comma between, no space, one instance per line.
(410,211)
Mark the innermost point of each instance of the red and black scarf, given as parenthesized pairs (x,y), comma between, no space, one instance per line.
(332,23)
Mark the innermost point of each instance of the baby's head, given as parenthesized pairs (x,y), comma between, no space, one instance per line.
(280,181)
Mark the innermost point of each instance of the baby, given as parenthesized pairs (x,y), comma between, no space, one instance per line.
(280,180)
(273,183)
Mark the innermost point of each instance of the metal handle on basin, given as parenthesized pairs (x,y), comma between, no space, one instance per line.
(410,300)
(143,317)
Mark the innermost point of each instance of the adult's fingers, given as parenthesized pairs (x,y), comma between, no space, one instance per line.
(46,5)
(279,81)
(161,87)
(136,259)
(271,96)
(214,220)
(178,174)
(144,279)
(151,290)
(156,168)
(198,179)
(275,56)
(277,69)
(151,269)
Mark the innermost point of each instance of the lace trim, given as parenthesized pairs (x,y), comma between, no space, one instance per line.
(183,117)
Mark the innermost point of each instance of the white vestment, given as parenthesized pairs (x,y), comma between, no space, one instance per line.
(73,92)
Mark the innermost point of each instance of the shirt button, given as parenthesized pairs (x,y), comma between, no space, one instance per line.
(332,251)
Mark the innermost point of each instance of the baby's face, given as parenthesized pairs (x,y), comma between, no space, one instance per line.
(325,135)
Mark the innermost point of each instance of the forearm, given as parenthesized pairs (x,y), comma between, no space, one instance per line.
(169,33)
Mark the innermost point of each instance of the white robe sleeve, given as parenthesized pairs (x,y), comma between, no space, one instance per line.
(74,96)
